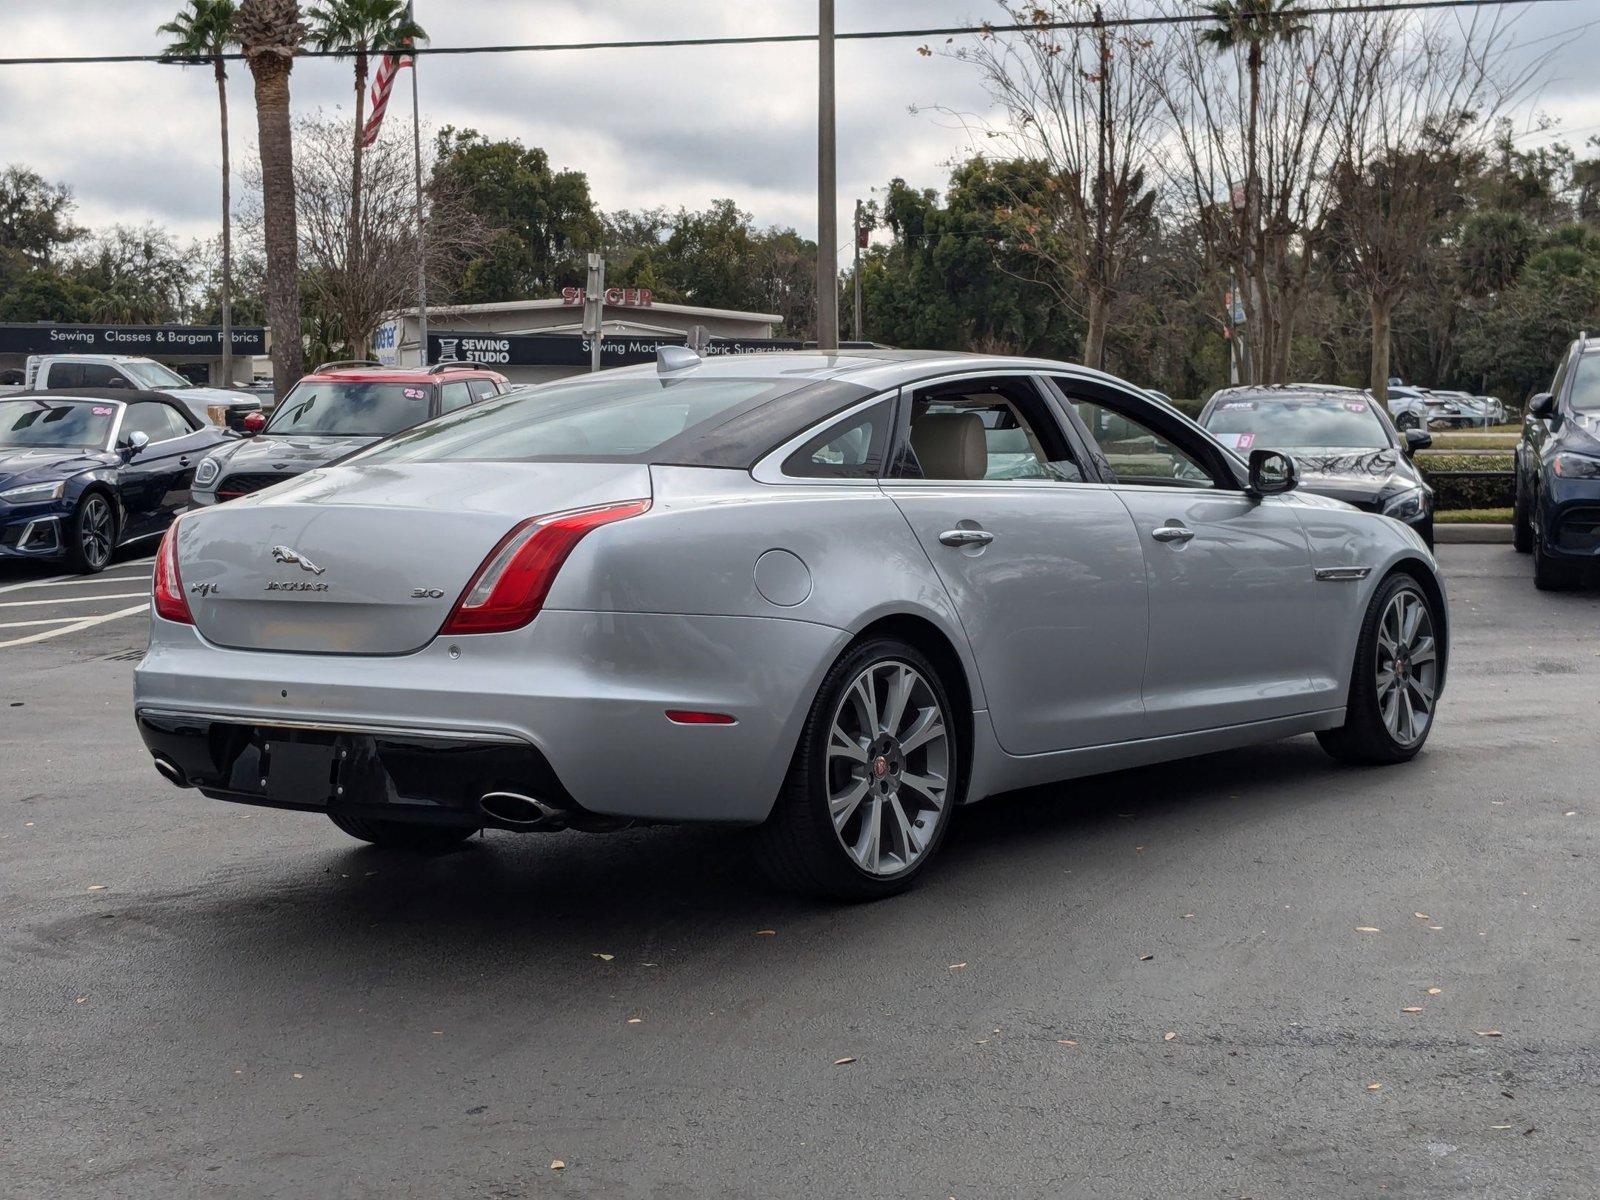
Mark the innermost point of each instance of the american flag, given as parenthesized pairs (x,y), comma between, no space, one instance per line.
(382,85)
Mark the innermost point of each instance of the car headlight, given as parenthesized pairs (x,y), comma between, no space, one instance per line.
(207,472)
(1575,466)
(34,492)
(1410,505)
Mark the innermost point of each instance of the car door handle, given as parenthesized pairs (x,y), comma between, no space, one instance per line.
(184,461)
(966,537)
(1171,533)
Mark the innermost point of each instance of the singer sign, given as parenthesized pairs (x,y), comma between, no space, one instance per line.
(616,297)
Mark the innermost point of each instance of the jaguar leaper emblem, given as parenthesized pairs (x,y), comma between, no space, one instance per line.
(287,554)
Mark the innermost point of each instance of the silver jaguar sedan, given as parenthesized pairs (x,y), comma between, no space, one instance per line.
(832,597)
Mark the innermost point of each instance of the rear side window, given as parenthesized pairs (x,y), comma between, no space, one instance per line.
(455,396)
(849,449)
(482,389)
(986,429)
(609,417)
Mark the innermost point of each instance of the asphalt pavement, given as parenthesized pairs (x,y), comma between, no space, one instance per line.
(1254,974)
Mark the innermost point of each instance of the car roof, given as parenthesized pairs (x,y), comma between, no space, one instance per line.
(417,375)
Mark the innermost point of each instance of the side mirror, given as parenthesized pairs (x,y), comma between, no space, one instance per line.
(1418,439)
(137,441)
(1272,473)
(1542,406)
(254,423)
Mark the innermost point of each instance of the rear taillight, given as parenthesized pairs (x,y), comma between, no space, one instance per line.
(167,584)
(510,587)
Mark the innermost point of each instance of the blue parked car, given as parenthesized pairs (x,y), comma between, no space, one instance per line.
(1557,514)
(87,471)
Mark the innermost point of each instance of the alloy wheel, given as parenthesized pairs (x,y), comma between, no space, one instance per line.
(888,767)
(97,530)
(1407,667)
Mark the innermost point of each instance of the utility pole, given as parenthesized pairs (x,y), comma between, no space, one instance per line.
(422,230)
(1100,190)
(594,312)
(827,217)
(860,240)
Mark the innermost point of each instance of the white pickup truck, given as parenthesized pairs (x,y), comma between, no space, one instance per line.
(217,406)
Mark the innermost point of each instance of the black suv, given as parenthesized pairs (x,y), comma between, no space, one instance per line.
(1557,514)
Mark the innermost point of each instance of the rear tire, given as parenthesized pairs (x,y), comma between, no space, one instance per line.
(1380,722)
(874,779)
(403,835)
(1521,522)
(91,535)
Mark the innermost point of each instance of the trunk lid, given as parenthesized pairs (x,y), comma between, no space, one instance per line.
(368,559)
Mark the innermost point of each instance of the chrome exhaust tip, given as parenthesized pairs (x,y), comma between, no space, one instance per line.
(521,812)
(171,772)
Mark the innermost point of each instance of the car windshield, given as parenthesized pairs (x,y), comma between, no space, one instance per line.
(154,376)
(626,417)
(56,423)
(348,409)
(1586,384)
(1297,423)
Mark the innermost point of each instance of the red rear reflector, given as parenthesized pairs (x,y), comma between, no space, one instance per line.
(167,584)
(510,587)
(680,716)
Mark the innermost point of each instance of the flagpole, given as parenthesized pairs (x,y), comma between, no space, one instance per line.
(422,233)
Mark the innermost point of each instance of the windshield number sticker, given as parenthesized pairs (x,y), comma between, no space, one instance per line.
(1238,406)
(1355,406)
(416,394)
(1246,440)
(102,412)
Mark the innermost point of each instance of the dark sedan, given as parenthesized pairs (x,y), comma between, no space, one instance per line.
(1340,440)
(1557,513)
(82,473)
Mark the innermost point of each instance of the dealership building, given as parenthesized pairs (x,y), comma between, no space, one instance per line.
(193,351)
(532,341)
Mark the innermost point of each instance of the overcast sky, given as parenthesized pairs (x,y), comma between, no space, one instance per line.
(650,127)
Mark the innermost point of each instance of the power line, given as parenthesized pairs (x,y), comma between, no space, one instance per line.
(787,38)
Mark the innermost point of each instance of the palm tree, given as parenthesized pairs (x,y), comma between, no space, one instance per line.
(361,27)
(270,32)
(201,32)
(1251,25)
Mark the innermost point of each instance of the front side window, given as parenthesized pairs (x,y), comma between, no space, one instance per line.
(75,423)
(156,421)
(1137,454)
(455,395)
(993,430)
(624,417)
(100,375)
(350,409)
(1585,396)
(1299,423)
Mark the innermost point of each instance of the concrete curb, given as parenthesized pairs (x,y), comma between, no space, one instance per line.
(1478,535)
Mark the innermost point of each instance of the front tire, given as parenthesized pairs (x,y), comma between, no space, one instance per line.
(403,835)
(873,782)
(1521,521)
(92,536)
(1394,682)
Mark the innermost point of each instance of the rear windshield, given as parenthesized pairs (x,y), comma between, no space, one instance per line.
(351,409)
(1302,423)
(52,423)
(615,418)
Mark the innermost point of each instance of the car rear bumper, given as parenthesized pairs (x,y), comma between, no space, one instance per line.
(585,694)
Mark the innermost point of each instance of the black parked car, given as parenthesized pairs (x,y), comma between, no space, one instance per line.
(86,471)
(1557,513)
(1341,440)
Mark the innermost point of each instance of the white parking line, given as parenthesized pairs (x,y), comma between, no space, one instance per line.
(84,624)
(71,600)
(67,580)
(46,621)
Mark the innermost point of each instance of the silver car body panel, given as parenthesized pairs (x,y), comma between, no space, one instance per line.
(1085,644)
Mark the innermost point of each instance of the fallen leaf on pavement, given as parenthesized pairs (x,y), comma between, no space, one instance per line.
(1434,991)
(557,1165)
(1066,1042)
(1410,1010)
(845,1061)
(1422,916)
(1374,1087)
(1368,929)
(958,966)
(766,933)
(97,887)
(605,957)
(1168,1036)
(1146,957)
(635,1020)
(1487,1032)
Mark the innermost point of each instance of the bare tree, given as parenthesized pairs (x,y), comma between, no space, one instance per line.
(347,301)
(1253,154)
(1076,105)
(1420,121)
